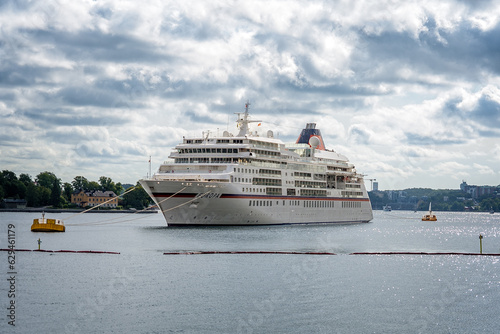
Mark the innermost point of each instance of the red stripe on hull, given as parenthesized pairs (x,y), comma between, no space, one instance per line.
(267,197)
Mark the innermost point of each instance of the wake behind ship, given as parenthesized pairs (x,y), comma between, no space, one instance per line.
(248,179)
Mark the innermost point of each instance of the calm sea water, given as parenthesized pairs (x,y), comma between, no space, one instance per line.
(143,291)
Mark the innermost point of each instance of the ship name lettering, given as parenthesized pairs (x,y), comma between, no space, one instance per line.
(209,195)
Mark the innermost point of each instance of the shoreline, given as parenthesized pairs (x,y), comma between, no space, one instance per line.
(75,210)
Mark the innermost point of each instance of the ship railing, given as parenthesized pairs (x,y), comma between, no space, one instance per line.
(195,171)
(198,177)
(261,164)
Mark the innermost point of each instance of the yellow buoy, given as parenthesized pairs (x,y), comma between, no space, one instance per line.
(47,225)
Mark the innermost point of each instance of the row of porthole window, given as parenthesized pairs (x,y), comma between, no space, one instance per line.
(307,204)
(245,170)
(207,150)
(253,190)
(351,204)
(319,204)
(270,203)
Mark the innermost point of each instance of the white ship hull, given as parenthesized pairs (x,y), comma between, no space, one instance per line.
(209,203)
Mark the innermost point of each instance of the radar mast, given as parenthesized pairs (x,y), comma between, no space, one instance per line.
(243,122)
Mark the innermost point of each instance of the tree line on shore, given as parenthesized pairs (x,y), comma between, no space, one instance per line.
(46,189)
(441,199)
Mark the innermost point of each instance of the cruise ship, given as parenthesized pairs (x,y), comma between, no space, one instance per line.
(251,179)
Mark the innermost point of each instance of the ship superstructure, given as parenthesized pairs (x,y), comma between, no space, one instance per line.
(249,179)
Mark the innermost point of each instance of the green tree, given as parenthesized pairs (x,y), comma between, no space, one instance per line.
(37,196)
(488,204)
(68,190)
(49,187)
(118,188)
(11,186)
(25,179)
(93,185)
(137,198)
(32,197)
(7,180)
(46,179)
(108,184)
(55,194)
(80,182)
(43,196)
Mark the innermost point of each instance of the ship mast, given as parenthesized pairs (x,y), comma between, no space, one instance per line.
(244,121)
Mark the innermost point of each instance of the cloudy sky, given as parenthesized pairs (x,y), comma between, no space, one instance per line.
(407,90)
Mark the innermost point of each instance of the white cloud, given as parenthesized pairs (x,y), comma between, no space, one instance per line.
(408,90)
(481,169)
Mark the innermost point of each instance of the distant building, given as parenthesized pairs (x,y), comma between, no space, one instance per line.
(478,191)
(375,186)
(106,199)
(9,203)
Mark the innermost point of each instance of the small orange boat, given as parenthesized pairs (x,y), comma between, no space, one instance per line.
(47,225)
(430,217)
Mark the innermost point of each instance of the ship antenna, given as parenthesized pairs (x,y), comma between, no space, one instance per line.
(243,121)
